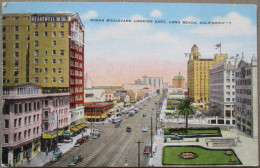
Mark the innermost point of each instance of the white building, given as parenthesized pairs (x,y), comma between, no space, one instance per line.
(153,81)
(222,90)
(246,104)
(94,95)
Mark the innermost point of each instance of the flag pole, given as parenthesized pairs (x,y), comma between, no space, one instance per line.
(220,48)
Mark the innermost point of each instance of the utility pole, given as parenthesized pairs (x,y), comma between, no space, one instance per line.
(156,120)
(151,137)
(139,152)
(57,132)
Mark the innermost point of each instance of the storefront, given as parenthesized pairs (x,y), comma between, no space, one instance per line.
(49,140)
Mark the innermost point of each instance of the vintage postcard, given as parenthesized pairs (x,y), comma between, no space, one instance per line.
(113,84)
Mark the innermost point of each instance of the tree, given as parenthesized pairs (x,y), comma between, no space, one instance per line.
(185,108)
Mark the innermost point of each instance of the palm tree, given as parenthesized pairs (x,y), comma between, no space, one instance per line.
(185,109)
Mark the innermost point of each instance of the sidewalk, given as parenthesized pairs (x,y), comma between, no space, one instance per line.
(41,159)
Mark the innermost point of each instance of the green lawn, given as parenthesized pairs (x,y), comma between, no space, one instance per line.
(181,131)
(205,156)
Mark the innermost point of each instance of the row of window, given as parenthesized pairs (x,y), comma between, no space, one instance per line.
(45,80)
(36,62)
(27,121)
(243,82)
(17,137)
(36,44)
(77,81)
(243,101)
(76,90)
(22,107)
(36,70)
(75,73)
(243,91)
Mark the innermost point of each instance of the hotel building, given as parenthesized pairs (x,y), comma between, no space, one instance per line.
(198,75)
(178,81)
(48,50)
(246,103)
(222,90)
(28,123)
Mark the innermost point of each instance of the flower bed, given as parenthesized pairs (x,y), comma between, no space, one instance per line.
(228,153)
(188,155)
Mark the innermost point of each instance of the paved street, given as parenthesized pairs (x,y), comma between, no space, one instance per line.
(115,145)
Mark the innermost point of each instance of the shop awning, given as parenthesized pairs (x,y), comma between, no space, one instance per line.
(79,126)
(128,104)
(74,129)
(93,117)
(52,135)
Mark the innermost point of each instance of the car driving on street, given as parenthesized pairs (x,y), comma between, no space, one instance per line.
(144,129)
(75,160)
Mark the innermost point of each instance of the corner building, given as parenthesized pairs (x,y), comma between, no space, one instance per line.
(48,50)
(198,75)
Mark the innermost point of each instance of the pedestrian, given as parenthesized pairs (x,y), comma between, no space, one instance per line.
(28,160)
(156,149)
(46,152)
(153,152)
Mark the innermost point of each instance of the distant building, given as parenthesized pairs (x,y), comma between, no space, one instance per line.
(94,95)
(96,112)
(153,81)
(222,89)
(178,81)
(88,82)
(246,103)
(198,75)
(138,82)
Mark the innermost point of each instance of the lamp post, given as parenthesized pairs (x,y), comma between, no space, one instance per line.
(57,131)
(151,137)
(156,119)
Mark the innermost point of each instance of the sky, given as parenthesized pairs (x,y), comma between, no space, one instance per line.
(121,52)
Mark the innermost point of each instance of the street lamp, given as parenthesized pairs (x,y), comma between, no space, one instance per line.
(126,164)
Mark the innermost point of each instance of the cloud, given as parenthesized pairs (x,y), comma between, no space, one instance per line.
(237,25)
(156,13)
(90,14)
(190,18)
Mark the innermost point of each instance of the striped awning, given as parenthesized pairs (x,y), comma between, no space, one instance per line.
(74,129)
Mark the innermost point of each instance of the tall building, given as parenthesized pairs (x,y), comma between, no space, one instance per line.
(246,105)
(153,81)
(178,81)
(48,50)
(28,125)
(198,75)
(222,89)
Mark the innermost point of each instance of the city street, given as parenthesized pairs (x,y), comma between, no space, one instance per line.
(115,146)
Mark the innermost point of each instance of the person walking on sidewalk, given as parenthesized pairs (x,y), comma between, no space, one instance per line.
(46,152)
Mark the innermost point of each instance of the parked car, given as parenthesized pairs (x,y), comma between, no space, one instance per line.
(94,136)
(144,115)
(147,149)
(76,144)
(182,122)
(128,129)
(57,155)
(81,140)
(75,160)
(117,125)
(144,129)
(85,136)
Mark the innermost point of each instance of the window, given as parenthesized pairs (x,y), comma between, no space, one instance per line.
(4,72)
(4,45)
(3,29)
(45,52)
(61,24)
(54,42)
(16,63)
(24,134)
(15,137)
(6,138)
(16,17)
(45,61)
(36,52)
(36,34)
(53,79)
(36,43)
(16,36)
(15,72)
(16,45)
(35,61)
(16,28)
(29,119)
(54,24)
(4,54)
(45,33)
(61,80)
(53,70)
(45,70)
(61,34)
(29,132)
(3,62)
(19,136)
(35,70)
(45,24)
(228,99)
(25,120)
(53,34)
(34,118)
(15,122)
(16,54)
(37,117)
(15,80)
(228,80)
(59,61)
(35,25)
(61,52)
(28,28)
(20,122)
(53,52)
(33,131)
(28,37)
(54,61)
(59,70)
(6,123)
(45,79)
(4,37)
(36,79)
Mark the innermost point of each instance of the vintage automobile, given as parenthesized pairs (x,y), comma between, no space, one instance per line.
(75,160)
(76,144)
(81,140)
(144,129)
(128,129)
(57,155)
